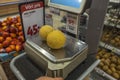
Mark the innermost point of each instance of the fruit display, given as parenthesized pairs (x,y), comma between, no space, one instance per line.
(108,33)
(11,35)
(106,36)
(115,41)
(113,17)
(110,40)
(55,39)
(110,63)
(111,36)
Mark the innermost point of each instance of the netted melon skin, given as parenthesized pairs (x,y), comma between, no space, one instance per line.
(56,39)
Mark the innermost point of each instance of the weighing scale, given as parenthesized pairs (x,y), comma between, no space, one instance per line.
(61,62)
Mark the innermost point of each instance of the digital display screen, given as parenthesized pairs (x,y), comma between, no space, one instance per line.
(70,3)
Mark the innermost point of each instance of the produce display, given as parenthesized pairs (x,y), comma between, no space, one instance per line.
(110,63)
(108,33)
(115,41)
(111,36)
(11,35)
(113,17)
(55,39)
(110,42)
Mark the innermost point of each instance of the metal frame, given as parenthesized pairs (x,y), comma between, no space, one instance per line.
(97,13)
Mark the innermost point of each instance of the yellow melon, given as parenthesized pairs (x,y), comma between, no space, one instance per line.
(56,39)
(44,31)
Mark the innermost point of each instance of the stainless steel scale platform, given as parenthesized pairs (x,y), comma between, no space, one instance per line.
(57,62)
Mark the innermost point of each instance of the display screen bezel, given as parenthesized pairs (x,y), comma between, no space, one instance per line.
(68,8)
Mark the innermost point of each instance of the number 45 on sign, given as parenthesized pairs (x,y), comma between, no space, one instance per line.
(33,30)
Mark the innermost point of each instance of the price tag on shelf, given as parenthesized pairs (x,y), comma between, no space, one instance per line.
(113,50)
(102,44)
(101,72)
(72,23)
(110,47)
(32,16)
(106,46)
(115,1)
(118,26)
(117,51)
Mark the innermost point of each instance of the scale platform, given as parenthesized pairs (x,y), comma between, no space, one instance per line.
(60,62)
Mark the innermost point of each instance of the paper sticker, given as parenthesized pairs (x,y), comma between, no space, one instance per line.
(72,23)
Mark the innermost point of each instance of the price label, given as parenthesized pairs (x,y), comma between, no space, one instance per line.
(117,51)
(109,47)
(115,1)
(48,19)
(113,50)
(99,71)
(106,46)
(33,30)
(55,11)
(32,15)
(102,44)
(72,23)
(118,26)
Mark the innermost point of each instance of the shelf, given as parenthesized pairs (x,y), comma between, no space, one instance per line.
(6,1)
(107,46)
(111,24)
(115,1)
(10,6)
(10,2)
(102,44)
(104,74)
(118,26)
(8,9)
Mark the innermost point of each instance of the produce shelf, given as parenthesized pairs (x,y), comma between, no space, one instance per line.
(10,6)
(110,47)
(11,2)
(111,24)
(104,74)
(115,1)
